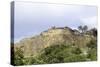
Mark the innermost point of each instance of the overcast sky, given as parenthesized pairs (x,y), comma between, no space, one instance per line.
(33,18)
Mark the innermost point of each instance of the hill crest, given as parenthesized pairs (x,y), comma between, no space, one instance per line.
(53,36)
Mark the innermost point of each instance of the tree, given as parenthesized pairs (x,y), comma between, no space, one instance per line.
(80,28)
(85,28)
(94,31)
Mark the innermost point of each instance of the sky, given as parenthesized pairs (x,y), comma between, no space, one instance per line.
(31,19)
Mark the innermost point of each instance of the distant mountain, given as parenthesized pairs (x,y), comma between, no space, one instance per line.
(53,36)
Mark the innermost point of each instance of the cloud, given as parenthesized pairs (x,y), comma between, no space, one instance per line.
(32,18)
(91,22)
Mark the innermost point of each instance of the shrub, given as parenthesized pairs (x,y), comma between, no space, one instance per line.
(92,54)
(18,57)
(62,53)
(92,44)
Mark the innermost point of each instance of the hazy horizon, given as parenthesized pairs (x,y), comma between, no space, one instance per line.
(33,18)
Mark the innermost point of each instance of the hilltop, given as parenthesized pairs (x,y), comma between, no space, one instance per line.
(53,36)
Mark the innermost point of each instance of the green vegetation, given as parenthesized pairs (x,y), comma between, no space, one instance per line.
(57,48)
(92,52)
(57,54)
(62,53)
(18,57)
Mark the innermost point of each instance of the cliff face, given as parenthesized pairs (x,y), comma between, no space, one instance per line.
(53,36)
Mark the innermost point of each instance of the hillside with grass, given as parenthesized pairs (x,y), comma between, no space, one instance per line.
(57,45)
